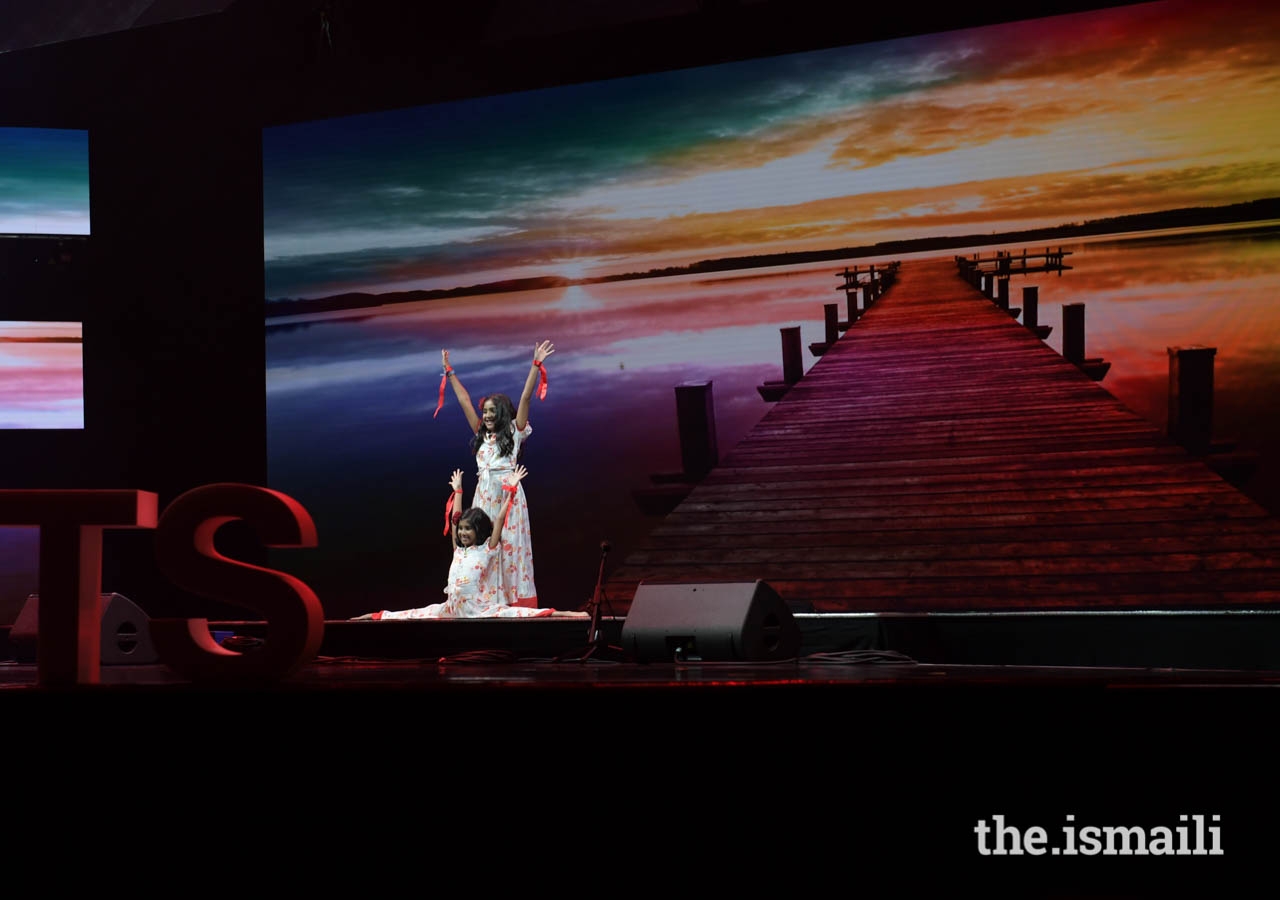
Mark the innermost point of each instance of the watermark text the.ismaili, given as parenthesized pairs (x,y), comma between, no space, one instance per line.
(1194,835)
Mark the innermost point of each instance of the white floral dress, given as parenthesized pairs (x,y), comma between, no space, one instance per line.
(516,567)
(474,590)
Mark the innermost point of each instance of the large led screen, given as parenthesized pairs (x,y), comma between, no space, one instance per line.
(661,229)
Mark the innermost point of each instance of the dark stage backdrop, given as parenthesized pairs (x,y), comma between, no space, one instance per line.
(168,284)
(661,228)
(44,230)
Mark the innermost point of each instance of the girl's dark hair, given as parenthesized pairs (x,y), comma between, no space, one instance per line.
(504,415)
(479,520)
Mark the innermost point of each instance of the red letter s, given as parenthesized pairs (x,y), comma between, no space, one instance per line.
(186,555)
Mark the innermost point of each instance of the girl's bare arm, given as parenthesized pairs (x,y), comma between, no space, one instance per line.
(540,353)
(464,399)
(509,488)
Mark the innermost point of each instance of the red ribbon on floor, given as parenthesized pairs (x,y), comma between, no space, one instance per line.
(448,512)
(542,381)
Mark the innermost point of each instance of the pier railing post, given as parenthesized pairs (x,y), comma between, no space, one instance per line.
(1191,397)
(831,313)
(1002,291)
(1073,332)
(696,417)
(851,304)
(792,358)
(1031,306)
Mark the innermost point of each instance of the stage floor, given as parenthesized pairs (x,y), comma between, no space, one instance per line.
(486,671)
(1083,651)
(836,758)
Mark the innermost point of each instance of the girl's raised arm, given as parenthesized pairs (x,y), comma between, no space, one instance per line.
(540,353)
(509,491)
(455,507)
(464,399)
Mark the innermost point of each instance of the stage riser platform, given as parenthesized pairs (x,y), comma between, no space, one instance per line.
(1246,641)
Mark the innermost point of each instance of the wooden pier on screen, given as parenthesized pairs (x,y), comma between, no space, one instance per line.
(941,457)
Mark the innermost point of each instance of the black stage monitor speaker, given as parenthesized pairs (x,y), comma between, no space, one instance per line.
(718,621)
(126,632)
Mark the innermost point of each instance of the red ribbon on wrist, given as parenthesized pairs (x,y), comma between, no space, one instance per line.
(542,380)
(510,503)
(440,405)
(448,511)
(511,489)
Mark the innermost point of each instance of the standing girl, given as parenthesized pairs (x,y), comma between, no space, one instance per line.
(500,429)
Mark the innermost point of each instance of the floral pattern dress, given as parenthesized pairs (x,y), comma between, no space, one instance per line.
(516,565)
(474,590)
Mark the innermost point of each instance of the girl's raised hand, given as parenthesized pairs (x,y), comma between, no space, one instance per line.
(456,481)
(542,351)
(516,474)
(444,358)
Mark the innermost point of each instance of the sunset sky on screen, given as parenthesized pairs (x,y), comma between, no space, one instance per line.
(1134,109)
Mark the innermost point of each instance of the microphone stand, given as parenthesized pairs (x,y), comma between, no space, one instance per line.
(596,640)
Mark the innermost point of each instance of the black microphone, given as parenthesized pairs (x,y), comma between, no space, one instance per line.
(605,547)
